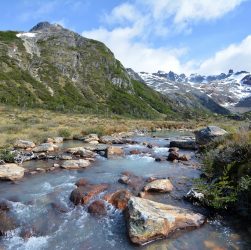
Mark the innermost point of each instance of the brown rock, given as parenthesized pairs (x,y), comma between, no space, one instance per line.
(173,149)
(7,223)
(118,199)
(82,182)
(113,152)
(173,156)
(97,208)
(124,179)
(83,194)
(185,158)
(135,152)
(11,172)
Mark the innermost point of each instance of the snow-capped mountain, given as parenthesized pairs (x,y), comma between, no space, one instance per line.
(231,90)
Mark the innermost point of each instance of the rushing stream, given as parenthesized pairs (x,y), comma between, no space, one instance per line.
(33,200)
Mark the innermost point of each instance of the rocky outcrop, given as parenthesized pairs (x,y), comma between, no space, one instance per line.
(75,164)
(45,147)
(148,220)
(208,134)
(183,144)
(161,185)
(118,199)
(24,144)
(11,172)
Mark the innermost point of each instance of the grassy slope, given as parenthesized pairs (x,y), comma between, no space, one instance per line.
(95,94)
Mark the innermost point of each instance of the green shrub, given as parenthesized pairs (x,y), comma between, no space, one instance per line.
(7,156)
(64,133)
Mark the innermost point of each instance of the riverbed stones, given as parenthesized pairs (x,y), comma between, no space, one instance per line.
(45,147)
(83,194)
(81,151)
(91,138)
(161,185)
(7,223)
(11,171)
(119,199)
(208,134)
(75,164)
(97,208)
(111,140)
(148,220)
(114,152)
(183,144)
(23,144)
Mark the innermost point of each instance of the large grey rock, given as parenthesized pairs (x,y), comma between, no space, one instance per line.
(75,164)
(111,140)
(11,172)
(24,144)
(148,220)
(183,144)
(45,147)
(208,134)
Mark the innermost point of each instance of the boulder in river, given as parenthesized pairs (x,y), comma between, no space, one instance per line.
(184,157)
(113,152)
(111,140)
(83,194)
(75,164)
(148,220)
(119,199)
(161,185)
(208,134)
(24,144)
(7,223)
(97,208)
(183,144)
(173,156)
(11,172)
(45,147)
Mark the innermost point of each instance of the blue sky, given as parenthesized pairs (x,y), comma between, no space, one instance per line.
(188,36)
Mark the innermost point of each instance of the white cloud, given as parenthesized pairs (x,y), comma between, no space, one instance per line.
(127,30)
(236,56)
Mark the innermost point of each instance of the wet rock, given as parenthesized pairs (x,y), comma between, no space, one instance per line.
(150,179)
(148,220)
(65,157)
(175,149)
(42,156)
(59,207)
(83,194)
(45,147)
(27,233)
(185,157)
(161,185)
(82,182)
(142,194)
(208,134)
(11,172)
(113,152)
(23,156)
(119,199)
(135,152)
(97,208)
(75,164)
(4,206)
(24,144)
(81,151)
(7,223)
(40,170)
(173,156)
(124,179)
(56,165)
(183,144)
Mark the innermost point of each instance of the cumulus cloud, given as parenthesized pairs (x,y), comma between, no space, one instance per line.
(127,30)
(236,56)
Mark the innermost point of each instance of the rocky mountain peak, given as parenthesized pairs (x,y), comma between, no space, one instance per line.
(46,27)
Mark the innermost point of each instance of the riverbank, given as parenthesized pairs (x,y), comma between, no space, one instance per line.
(38,124)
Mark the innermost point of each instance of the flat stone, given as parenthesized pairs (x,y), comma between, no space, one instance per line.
(45,147)
(148,220)
(11,172)
(83,152)
(75,164)
(113,152)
